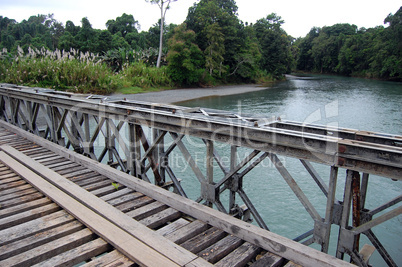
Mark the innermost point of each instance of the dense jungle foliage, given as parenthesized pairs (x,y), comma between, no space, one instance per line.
(346,50)
(211,47)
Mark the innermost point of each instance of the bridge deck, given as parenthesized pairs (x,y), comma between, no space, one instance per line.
(59,207)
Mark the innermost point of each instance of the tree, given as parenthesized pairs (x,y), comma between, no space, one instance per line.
(215,49)
(86,36)
(275,45)
(119,42)
(104,42)
(185,58)
(248,57)
(163,6)
(223,13)
(304,58)
(124,24)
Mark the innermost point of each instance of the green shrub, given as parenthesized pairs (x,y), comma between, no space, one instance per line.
(140,75)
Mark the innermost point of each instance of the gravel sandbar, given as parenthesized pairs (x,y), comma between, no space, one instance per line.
(178,95)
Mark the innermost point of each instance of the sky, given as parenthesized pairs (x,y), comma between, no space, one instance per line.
(299,15)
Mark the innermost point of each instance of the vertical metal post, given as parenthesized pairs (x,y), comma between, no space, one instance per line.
(29,116)
(356,205)
(51,124)
(14,104)
(109,143)
(364,186)
(347,197)
(137,152)
(158,155)
(87,132)
(233,163)
(131,149)
(329,213)
(210,164)
(3,108)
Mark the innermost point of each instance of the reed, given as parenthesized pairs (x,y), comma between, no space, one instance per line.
(78,72)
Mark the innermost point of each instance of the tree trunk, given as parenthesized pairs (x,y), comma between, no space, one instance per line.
(158,62)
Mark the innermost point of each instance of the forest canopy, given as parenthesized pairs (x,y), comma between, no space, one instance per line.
(212,46)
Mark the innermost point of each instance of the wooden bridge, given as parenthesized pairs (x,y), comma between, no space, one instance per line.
(60,207)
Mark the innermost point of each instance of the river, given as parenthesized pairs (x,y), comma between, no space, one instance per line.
(328,100)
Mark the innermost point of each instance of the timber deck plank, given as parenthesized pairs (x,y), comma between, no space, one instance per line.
(176,224)
(240,256)
(38,254)
(160,252)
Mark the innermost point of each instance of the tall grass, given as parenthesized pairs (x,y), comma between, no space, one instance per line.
(76,71)
(138,74)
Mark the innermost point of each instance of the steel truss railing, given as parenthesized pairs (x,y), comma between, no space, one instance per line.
(116,132)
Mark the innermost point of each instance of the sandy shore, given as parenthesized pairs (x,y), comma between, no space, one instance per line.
(178,95)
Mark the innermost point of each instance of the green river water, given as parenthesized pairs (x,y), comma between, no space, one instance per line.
(327,100)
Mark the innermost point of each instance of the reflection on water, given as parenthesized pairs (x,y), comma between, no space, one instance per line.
(337,101)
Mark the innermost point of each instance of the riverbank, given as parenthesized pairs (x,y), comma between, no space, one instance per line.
(179,95)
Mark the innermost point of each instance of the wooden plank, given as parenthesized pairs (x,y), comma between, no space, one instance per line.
(204,240)
(24,207)
(117,193)
(12,142)
(48,250)
(3,168)
(124,198)
(38,150)
(161,218)
(85,173)
(77,255)
(53,158)
(22,144)
(16,198)
(44,156)
(20,200)
(8,178)
(93,180)
(187,232)
(33,227)
(240,256)
(15,189)
(268,240)
(70,170)
(253,234)
(104,228)
(53,161)
(146,210)
(220,249)
(39,239)
(114,258)
(105,190)
(4,171)
(63,166)
(139,202)
(174,226)
(268,259)
(11,185)
(54,165)
(29,146)
(28,215)
(97,185)
(146,235)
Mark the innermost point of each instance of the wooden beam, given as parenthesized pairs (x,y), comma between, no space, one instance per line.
(126,243)
(167,248)
(272,242)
